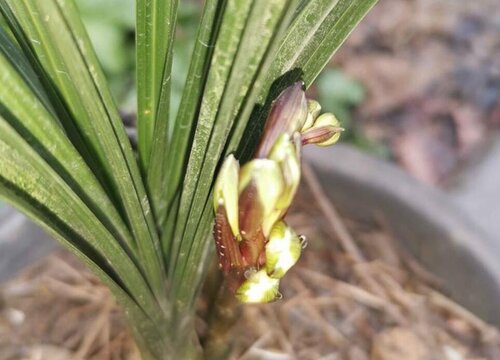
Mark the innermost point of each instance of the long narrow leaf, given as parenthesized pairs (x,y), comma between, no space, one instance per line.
(25,62)
(234,20)
(155,37)
(23,110)
(155,30)
(23,67)
(188,110)
(143,326)
(68,60)
(25,170)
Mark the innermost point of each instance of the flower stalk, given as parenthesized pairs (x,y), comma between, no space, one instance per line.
(255,245)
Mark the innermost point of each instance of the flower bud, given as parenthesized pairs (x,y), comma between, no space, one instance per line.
(261,186)
(258,288)
(287,116)
(255,246)
(324,132)
(226,192)
(282,250)
(285,153)
(313,111)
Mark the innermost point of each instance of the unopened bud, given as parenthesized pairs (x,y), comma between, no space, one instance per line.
(282,250)
(258,288)
(286,153)
(260,188)
(324,132)
(287,116)
(226,192)
(313,111)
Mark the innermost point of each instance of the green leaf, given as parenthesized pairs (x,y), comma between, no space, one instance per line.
(23,110)
(188,110)
(145,328)
(155,35)
(335,85)
(14,55)
(29,68)
(63,54)
(232,26)
(32,178)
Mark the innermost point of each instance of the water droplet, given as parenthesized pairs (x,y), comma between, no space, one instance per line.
(249,272)
(303,241)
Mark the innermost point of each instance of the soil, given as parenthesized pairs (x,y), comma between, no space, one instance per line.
(354,295)
(58,310)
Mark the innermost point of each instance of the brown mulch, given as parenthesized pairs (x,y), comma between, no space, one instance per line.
(58,310)
(354,295)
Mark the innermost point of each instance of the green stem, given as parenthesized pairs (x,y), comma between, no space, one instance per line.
(223,315)
(186,342)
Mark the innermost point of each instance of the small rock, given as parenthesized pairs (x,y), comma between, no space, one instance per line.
(452,353)
(40,352)
(397,344)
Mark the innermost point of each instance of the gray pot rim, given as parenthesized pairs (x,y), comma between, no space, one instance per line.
(425,220)
(21,242)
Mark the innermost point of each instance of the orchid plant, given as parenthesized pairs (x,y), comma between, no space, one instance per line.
(141,220)
(254,245)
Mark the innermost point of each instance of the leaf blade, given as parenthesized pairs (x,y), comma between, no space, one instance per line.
(234,19)
(143,326)
(23,110)
(25,170)
(188,108)
(66,56)
(155,28)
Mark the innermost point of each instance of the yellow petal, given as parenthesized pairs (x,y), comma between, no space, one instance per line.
(226,192)
(282,250)
(259,288)
(313,110)
(328,119)
(267,178)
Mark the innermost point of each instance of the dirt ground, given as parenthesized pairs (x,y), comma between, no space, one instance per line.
(431,69)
